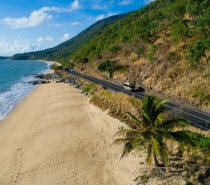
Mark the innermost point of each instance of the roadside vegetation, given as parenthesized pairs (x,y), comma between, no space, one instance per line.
(56,67)
(174,149)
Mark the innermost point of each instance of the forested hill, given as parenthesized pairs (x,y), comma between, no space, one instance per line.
(163,47)
(172,21)
(62,52)
(168,22)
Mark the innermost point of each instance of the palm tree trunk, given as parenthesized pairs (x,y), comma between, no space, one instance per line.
(155,160)
(160,165)
(168,169)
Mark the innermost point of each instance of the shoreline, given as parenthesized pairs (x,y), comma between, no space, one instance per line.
(21,98)
(56,136)
(52,62)
(24,88)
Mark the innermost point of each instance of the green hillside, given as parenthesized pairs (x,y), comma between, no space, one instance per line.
(62,52)
(163,47)
(186,21)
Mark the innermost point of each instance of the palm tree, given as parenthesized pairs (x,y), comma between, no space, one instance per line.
(152,132)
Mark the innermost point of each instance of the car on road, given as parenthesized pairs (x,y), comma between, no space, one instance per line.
(129,86)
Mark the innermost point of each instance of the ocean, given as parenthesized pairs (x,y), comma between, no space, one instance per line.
(15,76)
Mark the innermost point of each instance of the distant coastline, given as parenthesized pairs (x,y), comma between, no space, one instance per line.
(4,58)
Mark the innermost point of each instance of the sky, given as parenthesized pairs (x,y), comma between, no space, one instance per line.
(33,25)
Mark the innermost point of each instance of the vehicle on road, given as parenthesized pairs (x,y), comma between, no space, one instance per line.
(129,86)
(68,70)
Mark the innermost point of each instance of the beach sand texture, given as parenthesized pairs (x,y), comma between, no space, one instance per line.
(55,136)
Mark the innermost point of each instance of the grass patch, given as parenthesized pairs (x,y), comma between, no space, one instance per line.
(202,95)
(90,87)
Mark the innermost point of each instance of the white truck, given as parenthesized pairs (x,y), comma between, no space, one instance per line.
(129,86)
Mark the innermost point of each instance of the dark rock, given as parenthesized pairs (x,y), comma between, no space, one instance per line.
(59,81)
(36,82)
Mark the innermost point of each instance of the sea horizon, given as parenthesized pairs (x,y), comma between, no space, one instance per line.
(15,78)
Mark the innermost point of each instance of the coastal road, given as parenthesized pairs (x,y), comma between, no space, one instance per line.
(195,117)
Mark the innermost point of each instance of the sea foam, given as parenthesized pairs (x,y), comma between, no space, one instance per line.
(19,88)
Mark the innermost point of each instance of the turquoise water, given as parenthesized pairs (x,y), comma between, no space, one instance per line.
(15,76)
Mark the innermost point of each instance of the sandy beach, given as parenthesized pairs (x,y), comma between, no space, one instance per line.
(55,136)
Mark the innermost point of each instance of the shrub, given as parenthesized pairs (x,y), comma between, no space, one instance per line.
(202,95)
(196,52)
(55,67)
(90,87)
(200,141)
(105,66)
(151,53)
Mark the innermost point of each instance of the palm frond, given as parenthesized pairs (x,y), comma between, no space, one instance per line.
(160,106)
(175,123)
(122,140)
(137,142)
(158,121)
(152,109)
(148,104)
(146,119)
(155,146)
(165,135)
(160,150)
(141,124)
(147,136)
(182,137)
(128,132)
(127,149)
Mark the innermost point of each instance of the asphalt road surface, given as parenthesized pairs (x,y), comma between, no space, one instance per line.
(195,117)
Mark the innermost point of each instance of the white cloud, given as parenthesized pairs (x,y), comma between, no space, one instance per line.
(65,36)
(46,39)
(148,1)
(75,23)
(41,39)
(111,14)
(36,18)
(103,16)
(18,46)
(75,5)
(100,4)
(125,2)
(99,17)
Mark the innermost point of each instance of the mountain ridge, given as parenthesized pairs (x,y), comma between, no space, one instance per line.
(62,51)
